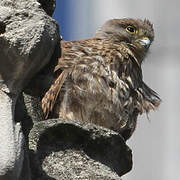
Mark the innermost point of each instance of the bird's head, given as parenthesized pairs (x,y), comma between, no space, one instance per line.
(136,33)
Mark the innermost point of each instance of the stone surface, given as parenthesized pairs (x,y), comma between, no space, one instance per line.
(11,140)
(28,37)
(62,149)
(27,43)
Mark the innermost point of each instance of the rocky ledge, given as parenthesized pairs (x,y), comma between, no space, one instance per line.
(68,150)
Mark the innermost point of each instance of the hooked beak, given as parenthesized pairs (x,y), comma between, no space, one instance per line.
(145,42)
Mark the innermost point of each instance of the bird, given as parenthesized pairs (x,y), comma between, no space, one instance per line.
(99,80)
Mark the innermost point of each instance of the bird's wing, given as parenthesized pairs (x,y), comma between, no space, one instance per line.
(61,71)
(51,95)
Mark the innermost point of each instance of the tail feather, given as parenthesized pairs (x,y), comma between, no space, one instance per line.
(151,96)
(51,95)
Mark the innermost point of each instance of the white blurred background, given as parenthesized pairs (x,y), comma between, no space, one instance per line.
(155,144)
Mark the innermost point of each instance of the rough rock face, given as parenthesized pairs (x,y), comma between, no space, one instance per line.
(28,37)
(64,149)
(54,149)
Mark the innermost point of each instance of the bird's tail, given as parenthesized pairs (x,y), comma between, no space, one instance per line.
(151,98)
(51,95)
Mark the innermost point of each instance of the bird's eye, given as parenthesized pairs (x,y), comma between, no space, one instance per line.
(131,29)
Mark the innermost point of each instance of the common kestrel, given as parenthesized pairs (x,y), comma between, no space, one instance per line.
(99,80)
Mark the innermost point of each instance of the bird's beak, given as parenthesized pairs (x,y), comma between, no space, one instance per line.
(145,42)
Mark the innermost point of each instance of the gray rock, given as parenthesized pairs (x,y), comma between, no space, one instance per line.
(28,37)
(27,43)
(70,150)
(11,140)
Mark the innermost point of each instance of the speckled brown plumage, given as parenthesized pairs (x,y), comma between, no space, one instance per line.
(99,80)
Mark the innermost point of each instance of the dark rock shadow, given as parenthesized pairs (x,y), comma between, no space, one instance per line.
(37,172)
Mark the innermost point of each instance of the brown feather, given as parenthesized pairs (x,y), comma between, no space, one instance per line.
(51,95)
